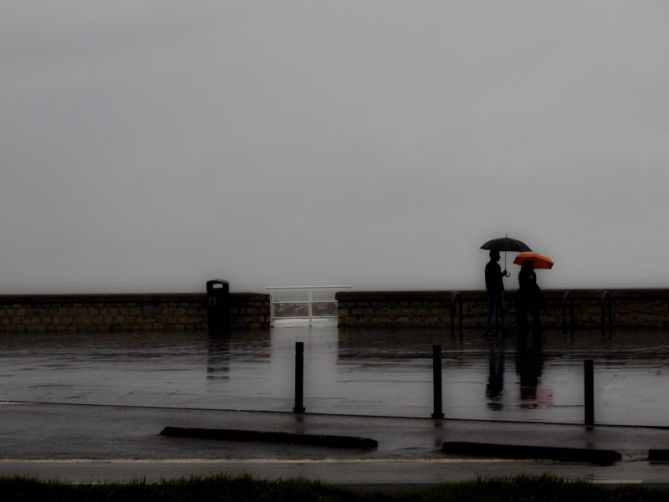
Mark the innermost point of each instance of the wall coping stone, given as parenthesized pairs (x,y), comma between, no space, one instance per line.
(119,298)
(437,295)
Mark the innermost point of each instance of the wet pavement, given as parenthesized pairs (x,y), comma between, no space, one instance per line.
(360,372)
(92,405)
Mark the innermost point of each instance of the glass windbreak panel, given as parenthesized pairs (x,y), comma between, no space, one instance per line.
(295,303)
(324,309)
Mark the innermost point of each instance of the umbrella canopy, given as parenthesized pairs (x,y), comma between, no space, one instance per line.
(506,244)
(538,260)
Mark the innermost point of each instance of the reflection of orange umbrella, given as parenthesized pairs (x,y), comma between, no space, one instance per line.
(539,260)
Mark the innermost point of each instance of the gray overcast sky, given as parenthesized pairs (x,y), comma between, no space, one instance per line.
(152,145)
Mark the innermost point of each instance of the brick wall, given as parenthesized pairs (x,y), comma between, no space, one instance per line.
(141,312)
(629,308)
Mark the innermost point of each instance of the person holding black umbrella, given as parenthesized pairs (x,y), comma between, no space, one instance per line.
(494,276)
(495,286)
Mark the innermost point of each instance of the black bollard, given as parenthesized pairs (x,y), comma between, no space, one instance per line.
(299,378)
(436,381)
(589,392)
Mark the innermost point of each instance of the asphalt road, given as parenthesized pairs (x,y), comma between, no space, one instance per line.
(90,443)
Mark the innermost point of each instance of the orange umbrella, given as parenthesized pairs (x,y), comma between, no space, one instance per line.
(539,260)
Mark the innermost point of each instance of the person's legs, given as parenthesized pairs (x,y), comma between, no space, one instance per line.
(495,306)
(502,307)
(536,320)
(521,317)
(490,312)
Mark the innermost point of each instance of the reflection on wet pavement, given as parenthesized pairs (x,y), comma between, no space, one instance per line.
(375,372)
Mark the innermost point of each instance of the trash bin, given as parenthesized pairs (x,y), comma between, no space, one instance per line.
(218,306)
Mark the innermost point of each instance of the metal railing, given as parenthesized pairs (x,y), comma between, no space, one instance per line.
(309,301)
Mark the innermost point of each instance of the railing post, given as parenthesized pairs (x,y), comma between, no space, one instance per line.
(456,302)
(436,381)
(460,313)
(606,312)
(568,298)
(271,309)
(311,313)
(299,378)
(589,391)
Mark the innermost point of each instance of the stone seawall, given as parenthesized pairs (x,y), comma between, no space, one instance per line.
(628,308)
(188,312)
(129,312)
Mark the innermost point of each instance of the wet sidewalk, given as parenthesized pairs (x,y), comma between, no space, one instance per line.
(363,372)
(89,443)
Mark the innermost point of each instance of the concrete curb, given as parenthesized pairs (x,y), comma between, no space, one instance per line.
(272,437)
(660,456)
(593,456)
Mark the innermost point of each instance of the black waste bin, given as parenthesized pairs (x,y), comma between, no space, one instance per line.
(218,306)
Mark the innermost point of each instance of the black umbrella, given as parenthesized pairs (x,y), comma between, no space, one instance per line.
(506,243)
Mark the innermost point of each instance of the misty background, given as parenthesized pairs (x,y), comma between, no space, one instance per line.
(152,145)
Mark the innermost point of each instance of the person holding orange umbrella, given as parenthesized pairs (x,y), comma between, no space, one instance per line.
(528,297)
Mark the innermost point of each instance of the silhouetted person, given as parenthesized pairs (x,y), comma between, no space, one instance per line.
(528,297)
(495,287)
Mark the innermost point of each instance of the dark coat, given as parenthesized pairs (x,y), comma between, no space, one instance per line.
(493,278)
(529,295)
